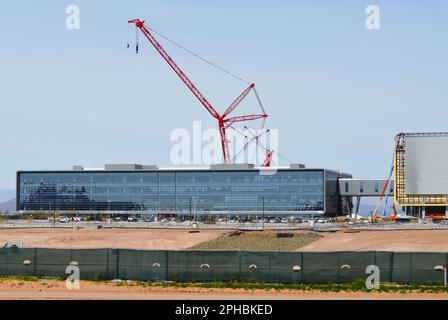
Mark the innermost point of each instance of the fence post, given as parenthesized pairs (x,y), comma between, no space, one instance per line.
(239,265)
(391,266)
(118,263)
(107,263)
(375,258)
(338,279)
(270,266)
(166,265)
(301,266)
(445,270)
(71,256)
(35,262)
(375,262)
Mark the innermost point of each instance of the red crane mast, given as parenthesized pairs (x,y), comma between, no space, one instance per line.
(223,121)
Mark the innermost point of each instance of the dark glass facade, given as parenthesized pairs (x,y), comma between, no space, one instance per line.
(179,191)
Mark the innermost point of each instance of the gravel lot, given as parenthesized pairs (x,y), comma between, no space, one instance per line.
(260,241)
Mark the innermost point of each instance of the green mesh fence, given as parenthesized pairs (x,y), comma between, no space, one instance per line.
(51,262)
(384,261)
(320,267)
(142,265)
(352,265)
(423,267)
(205,265)
(95,263)
(285,267)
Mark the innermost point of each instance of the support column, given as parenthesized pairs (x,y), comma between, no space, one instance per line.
(423,212)
(358,201)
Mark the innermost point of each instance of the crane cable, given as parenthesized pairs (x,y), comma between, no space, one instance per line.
(389,180)
(385,191)
(211,64)
(204,60)
(198,56)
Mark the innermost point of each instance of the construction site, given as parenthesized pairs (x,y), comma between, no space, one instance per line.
(243,190)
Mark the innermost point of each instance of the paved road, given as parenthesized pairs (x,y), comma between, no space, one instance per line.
(223,225)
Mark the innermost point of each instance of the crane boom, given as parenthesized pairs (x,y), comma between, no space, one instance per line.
(245,118)
(237,101)
(223,123)
(267,160)
(141,25)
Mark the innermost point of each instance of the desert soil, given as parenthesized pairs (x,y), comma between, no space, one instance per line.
(13,289)
(158,239)
(169,239)
(402,240)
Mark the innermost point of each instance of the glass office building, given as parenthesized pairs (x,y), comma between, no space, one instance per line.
(221,189)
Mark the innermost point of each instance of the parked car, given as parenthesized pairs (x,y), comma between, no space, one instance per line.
(64,220)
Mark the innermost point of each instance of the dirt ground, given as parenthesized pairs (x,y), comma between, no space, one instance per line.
(56,290)
(107,238)
(400,240)
(169,239)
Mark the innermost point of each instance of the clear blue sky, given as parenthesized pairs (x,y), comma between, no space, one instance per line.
(337,92)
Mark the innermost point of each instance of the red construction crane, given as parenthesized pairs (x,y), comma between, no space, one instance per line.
(268,159)
(256,138)
(223,121)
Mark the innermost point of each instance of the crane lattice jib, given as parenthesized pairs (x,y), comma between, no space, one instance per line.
(140,24)
(222,122)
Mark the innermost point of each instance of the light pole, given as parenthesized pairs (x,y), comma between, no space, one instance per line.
(263,212)
(190,210)
(194,198)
